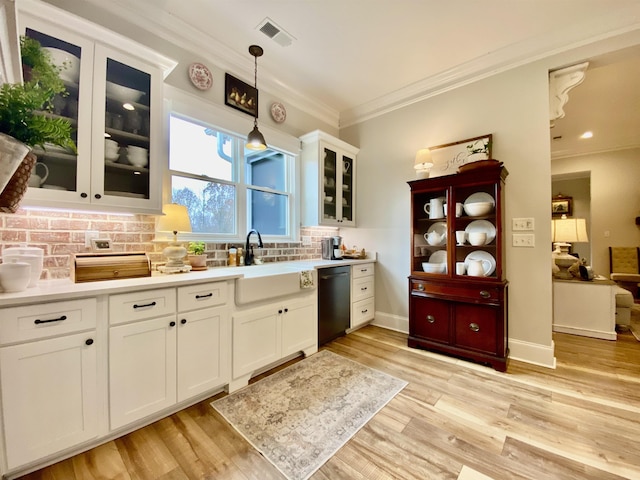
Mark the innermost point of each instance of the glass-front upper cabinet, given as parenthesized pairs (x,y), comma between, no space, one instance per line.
(329,166)
(114,104)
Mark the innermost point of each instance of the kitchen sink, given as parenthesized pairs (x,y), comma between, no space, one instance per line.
(265,282)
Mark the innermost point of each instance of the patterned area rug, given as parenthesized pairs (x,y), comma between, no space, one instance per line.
(300,416)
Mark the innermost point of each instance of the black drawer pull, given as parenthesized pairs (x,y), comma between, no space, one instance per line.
(474,327)
(363,289)
(431,319)
(89,341)
(152,304)
(364,311)
(183,321)
(204,296)
(59,319)
(485,294)
(172,324)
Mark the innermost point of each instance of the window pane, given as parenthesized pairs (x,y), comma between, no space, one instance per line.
(266,169)
(199,150)
(269,212)
(211,205)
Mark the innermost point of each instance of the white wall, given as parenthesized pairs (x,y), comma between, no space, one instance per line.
(615,200)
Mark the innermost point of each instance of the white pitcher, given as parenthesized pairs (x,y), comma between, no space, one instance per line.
(35,180)
(434,208)
(477,268)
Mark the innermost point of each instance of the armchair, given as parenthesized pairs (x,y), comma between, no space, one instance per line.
(625,267)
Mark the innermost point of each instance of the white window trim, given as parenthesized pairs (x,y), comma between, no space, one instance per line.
(225,120)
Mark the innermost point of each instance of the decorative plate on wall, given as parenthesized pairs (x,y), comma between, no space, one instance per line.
(278,112)
(200,76)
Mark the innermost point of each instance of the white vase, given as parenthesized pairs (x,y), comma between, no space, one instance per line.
(12,152)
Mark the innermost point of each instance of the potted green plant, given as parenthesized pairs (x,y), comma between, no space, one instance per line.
(196,255)
(25,118)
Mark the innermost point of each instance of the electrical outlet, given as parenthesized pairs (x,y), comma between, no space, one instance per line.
(306,241)
(524,239)
(522,224)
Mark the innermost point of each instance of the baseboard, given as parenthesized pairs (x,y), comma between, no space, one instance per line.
(584,332)
(533,353)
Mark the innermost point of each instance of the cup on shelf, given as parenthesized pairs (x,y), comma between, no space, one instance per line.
(477,238)
(137,156)
(459,207)
(461,236)
(461,268)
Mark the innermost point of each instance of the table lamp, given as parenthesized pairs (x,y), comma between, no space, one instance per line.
(565,231)
(423,163)
(175,219)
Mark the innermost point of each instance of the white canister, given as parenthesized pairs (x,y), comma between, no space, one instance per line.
(14,276)
(31,255)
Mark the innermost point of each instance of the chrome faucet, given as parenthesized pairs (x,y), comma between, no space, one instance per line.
(248,250)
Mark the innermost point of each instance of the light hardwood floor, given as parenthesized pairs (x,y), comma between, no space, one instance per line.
(454,420)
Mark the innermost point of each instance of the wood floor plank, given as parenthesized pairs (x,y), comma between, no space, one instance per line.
(578,421)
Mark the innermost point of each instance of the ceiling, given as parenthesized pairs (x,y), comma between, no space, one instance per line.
(354,59)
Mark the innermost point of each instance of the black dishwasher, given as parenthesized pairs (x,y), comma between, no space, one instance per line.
(334,302)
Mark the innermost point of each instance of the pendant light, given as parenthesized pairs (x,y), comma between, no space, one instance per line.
(255,139)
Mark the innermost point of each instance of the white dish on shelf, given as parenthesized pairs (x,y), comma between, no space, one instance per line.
(124,194)
(480,197)
(440,229)
(54,187)
(482,226)
(431,267)
(122,93)
(486,257)
(439,256)
(69,63)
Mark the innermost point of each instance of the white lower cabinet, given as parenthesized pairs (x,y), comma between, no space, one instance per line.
(362,294)
(266,334)
(157,362)
(48,372)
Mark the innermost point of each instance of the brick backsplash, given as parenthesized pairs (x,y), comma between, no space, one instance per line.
(61,233)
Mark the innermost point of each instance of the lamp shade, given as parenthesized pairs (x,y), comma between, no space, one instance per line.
(423,159)
(569,230)
(255,139)
(175,219)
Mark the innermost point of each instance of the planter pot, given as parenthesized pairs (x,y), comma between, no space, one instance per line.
(12,153)
(198,262)
(15,189)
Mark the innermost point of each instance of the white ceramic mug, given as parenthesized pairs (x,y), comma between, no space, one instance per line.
(477,238)
(461,268)
(461,236)
(434,208)
(35,180)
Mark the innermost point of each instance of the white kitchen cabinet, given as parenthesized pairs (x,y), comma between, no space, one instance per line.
(362,294)
(48,373)
(116,96)
(160,356)
(328,180)
(263,335)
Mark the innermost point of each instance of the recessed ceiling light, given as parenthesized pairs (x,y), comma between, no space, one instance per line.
(586,135)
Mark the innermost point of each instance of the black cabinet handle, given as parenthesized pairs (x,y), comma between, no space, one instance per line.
(485,294)
(204,296)
(152,304)
(363,289)
(431,319)
(89,341)
(98,196)
(84,195)
(364,311)
(183,321)
(286,310)
(280,311)
(474,327)
(172,324)
(59,319)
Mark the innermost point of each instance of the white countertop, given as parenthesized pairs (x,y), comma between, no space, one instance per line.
(52,290)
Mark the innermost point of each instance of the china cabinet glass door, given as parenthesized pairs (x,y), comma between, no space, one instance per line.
(347,189)
(330,192)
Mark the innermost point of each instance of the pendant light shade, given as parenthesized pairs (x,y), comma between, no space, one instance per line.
(255,139)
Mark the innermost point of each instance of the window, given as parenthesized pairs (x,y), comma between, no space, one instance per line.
(227,189)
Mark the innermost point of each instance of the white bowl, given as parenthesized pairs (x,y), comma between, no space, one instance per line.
(138,160)
(111,156)
(477,238)
(478,208)
(434,267)
(15,276)
(122,93)
(69,63)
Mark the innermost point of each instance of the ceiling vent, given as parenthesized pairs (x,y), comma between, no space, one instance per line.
(275,33)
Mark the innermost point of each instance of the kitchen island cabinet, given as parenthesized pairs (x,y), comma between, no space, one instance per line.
(461,313)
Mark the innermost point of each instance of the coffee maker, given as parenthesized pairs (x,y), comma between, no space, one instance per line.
(331,248)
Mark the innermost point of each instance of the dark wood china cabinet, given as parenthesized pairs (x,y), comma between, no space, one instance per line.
(458,291)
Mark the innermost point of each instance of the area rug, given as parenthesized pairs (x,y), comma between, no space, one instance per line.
(299,417)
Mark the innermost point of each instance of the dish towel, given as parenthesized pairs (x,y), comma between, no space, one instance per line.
(306,279)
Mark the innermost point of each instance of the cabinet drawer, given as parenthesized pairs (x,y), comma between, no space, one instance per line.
(362,312)
(362,270)
(483,294)
(204,295)
(429,319)
(47,320)
(127,307)
(362,288)
(476,327)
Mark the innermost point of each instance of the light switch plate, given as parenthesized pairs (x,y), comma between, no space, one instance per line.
(524,239)
(522,224)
